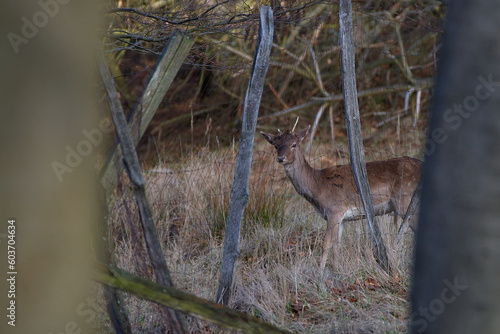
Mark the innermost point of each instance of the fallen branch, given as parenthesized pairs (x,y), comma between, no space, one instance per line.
(181,301)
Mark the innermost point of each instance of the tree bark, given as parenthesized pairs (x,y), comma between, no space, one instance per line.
(356,150)
(239,189)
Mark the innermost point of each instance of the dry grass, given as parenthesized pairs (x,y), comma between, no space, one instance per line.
(277,278)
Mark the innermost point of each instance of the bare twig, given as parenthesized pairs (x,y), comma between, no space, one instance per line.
(318,74)
(422,84)
(417,108)
(295,125)
(229,48)
(299,62)
(330,111)
(315,126)
(163,19)
(403,65)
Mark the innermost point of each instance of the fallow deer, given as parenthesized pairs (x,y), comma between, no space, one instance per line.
(333,192)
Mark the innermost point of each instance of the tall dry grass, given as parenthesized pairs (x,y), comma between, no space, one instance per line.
(277,276)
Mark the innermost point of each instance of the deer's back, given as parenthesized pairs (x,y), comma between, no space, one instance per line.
(386,178)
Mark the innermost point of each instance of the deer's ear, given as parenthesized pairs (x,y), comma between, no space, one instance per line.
(269,138)
(302,134)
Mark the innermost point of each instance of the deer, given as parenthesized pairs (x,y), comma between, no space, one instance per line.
(333,193)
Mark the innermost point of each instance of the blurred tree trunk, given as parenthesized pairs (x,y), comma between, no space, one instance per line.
(456,286)
(47,66)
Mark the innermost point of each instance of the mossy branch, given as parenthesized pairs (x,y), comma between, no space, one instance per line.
(181,301)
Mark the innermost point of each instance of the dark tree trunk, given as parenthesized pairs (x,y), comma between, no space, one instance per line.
(456,286)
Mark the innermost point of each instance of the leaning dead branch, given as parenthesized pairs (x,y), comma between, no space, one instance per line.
(133,169)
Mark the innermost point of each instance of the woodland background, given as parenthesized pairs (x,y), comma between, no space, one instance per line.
(189,151)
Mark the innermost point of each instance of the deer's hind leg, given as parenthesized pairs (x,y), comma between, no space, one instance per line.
(389,207)
(400,203)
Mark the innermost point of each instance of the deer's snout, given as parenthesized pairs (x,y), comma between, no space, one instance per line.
(280,159)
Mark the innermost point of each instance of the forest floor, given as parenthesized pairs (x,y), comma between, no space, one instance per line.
(277,277)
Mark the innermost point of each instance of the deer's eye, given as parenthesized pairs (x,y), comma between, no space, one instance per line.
(294,144)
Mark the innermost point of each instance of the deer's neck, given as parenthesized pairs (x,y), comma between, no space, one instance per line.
(305,179)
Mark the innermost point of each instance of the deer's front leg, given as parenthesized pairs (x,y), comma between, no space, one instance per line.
(332,238)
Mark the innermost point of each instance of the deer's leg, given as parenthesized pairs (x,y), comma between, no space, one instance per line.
(396,216)
(413,220)
(341,229)
(400,202)
(332,238)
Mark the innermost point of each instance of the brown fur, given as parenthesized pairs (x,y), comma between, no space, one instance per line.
(333,192)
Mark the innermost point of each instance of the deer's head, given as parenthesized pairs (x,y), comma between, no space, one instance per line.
(286,144)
